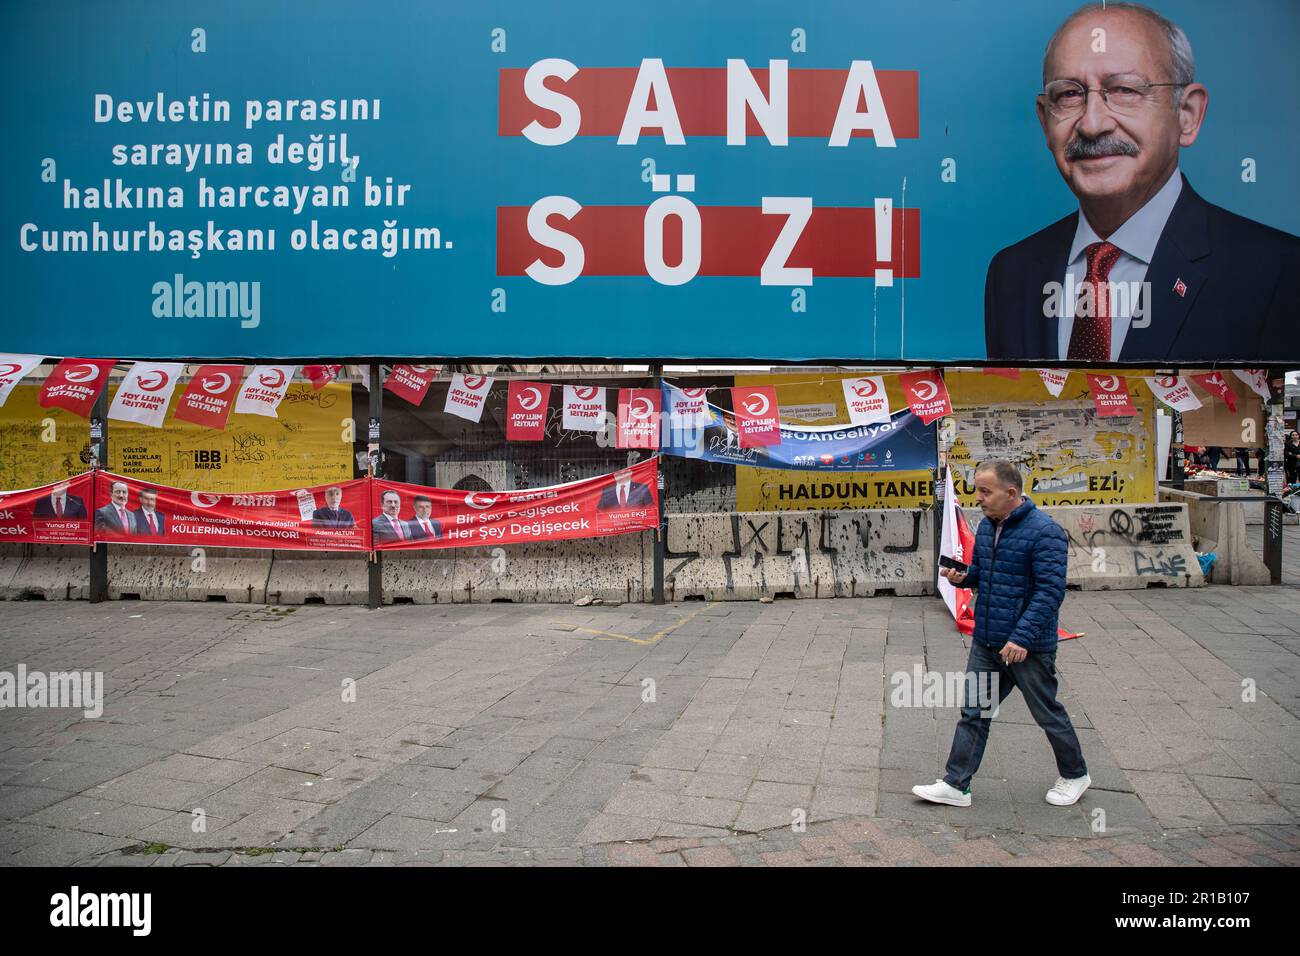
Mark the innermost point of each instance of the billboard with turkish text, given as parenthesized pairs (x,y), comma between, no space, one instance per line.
(937,181)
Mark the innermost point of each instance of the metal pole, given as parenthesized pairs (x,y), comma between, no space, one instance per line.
(1273,539)
(1178,473)
(375,580)
(98,459)
(662,531)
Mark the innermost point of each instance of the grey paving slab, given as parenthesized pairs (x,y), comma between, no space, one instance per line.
(762,715)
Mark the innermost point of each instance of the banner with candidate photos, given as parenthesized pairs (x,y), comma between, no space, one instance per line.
(410,517)
(57,513)
(321,518)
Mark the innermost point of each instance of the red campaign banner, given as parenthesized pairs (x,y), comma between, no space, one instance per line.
(210,396)
(758,420)
(411,382)
(321,375)
(321,518)
(526,407)
(926,394)
(1110,395)
(1216,384)
(57,513)
(75,384)
(638,418)
(414,516)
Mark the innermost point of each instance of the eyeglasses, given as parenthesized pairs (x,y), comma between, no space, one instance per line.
(1066,99)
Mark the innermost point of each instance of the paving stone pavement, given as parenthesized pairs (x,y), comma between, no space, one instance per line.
(695,734)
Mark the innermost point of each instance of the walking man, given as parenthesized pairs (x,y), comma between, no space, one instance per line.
(1019,569)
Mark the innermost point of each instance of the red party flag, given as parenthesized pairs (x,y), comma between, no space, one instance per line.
(526,406)
(638,418)
(1110,395)
(926,394)
(1215,384)
(411,382)
(210,396)
(75,384)
(758,421)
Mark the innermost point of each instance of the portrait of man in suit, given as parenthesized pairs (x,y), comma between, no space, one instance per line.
(624,493)
(148,519)
(424,525)
(60,504)
(1146,270)
(333,516)
(114,516)
(387,527)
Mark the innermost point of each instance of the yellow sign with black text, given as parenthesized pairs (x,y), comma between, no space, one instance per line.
(801,394)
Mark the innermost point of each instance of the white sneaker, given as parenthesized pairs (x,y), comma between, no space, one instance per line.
(1067,792)
(941,792)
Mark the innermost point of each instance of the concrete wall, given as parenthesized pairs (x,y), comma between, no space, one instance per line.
(715,557)
(1126,547)
(799,553)
(153,573)
(317,577)
(44,572)
(1221,528)
(615,569)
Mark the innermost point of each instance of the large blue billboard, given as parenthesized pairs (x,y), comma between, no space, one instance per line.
(845,181)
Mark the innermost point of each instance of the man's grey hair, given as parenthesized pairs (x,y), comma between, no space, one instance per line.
(1004,471)
(1182,64)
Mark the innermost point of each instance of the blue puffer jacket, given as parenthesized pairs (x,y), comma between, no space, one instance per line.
(1021,582)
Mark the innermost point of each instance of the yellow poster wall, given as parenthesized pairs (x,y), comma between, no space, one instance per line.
(767,489)
(1068,453)
(310,443)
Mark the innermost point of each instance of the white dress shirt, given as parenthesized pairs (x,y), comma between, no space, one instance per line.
(1136,240)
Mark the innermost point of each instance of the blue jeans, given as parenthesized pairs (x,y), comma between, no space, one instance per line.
(1036,678)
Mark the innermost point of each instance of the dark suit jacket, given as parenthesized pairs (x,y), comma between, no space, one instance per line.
(106,519)
(1242,283)
(417,532)
(332,518)
(73,507)
(382,531)
(638,496)
(142,523)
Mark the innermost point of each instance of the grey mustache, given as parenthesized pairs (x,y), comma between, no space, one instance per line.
(1095,148)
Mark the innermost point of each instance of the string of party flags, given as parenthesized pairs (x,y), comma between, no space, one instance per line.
(214,391)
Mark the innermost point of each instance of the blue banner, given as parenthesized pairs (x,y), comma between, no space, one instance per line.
(902,444)
(584,180)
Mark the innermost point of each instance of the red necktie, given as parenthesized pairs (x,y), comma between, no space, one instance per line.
(622,497)
(152,527)
(1090,337)
(398,528)
(58,507)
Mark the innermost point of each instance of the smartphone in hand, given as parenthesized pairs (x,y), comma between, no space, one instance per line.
(953,564)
